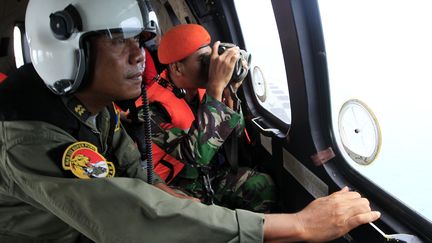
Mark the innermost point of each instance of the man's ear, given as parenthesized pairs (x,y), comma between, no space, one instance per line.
(176,68)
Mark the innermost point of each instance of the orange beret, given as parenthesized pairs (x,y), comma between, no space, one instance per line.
(181,41)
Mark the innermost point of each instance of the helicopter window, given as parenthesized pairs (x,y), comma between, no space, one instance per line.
(379,71)
(269,79)
(18,47)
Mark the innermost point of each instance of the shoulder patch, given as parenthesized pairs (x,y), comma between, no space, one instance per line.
(84,161)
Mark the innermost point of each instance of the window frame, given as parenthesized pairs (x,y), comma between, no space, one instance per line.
(247,93)
(396,216)
(24,45)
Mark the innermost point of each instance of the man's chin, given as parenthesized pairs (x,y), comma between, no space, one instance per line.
(135,97)
(126,103)
(132,96)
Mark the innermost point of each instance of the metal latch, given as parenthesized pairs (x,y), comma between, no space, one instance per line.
(403,238)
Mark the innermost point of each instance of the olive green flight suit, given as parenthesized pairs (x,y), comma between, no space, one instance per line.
(38,203)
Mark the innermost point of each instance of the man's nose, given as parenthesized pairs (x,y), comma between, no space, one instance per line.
(136,55)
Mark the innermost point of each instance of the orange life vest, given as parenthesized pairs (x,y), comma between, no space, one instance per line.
(166,166)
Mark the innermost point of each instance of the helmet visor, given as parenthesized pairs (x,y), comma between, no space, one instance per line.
(130,21)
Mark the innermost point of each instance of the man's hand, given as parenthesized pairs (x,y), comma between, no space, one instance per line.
(324,219)
(335,215)
(220,70)
(229,93)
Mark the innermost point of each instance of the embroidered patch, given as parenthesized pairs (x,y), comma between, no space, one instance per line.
(84,161)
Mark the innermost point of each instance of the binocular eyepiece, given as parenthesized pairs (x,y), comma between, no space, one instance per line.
(239,71)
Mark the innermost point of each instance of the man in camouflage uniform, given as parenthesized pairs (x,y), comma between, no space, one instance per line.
(217,117)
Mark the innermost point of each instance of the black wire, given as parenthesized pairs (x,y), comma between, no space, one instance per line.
(147,136)
(140,131)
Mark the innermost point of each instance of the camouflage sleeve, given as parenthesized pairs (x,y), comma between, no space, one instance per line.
(213,123)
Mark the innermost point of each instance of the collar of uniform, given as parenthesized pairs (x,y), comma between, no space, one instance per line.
(76,107)
(81,112)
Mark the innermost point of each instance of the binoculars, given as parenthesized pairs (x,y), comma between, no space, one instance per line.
(239,71)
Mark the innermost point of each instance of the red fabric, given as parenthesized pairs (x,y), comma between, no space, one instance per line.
(2,77)
(181,41)
(162,170)
(153,92)
(173,105)
(150,69)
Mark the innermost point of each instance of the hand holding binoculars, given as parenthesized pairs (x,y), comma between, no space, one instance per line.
(240,71)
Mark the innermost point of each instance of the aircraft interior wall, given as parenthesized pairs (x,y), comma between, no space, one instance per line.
(11,12)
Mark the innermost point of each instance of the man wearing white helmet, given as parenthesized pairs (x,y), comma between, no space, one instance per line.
(70,173)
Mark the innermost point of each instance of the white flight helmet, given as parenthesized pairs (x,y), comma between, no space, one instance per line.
(153,43)
(57,30)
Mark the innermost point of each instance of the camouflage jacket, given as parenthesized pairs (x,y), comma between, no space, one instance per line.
(213,124)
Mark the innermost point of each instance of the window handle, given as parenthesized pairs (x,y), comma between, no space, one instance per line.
(266,130)
(403,238)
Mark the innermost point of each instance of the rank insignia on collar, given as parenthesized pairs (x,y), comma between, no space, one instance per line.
(117,120)
(84,161)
